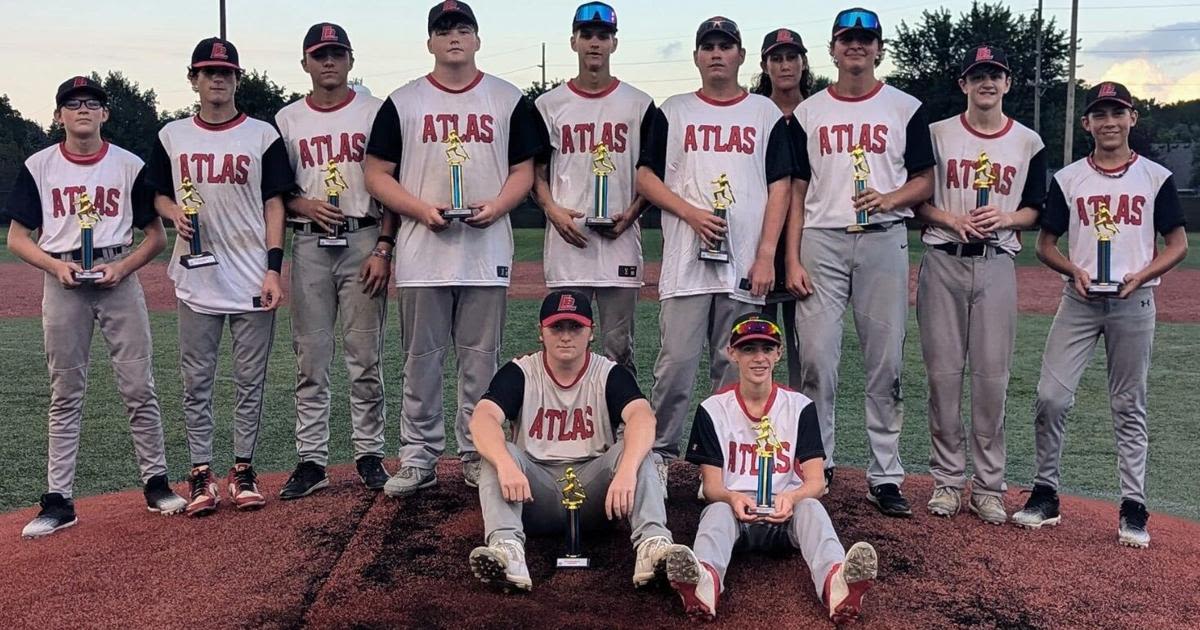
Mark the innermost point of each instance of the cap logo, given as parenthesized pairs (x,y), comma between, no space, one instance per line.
(449,5)
(80,82)
(328,34)
(566,303)
(1107,89)
(783,35)
(983,54)
(219,51)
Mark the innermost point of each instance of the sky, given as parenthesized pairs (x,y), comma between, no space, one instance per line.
(1154,49)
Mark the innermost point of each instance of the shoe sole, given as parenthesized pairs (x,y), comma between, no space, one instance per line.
(985,519)
(683,573)
(942,513)
(374,488)
(1049,522)
(51,531)
(204,510)
(324,483)
(168,511)
(491,570)
(859,571)
(250,505)
(411,489)
(886,512)
(1133,544)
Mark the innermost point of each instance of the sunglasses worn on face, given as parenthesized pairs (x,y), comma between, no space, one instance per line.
(75,103)
(596,12)
(858,18)
(756,327)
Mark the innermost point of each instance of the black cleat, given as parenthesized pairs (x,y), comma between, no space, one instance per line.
(371,471)
(889,501)
(305,480)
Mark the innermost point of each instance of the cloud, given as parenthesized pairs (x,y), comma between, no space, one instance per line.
(1175,40)
(670,51)
(1146,79)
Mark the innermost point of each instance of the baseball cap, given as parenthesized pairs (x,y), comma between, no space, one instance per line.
(984,55)
(1108,91)
(452,7)
(754,327)
(215,52)
(594,14)
(565,304)
(79,84)
(326,34)
(782,37)
(719,24)
(857,19)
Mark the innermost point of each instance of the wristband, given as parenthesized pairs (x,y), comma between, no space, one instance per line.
(275,259)
(379,253)
(383,238)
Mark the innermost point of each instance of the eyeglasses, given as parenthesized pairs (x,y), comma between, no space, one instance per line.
(326,52)
(757,327)
(75,103)
(596,12)
(857,18)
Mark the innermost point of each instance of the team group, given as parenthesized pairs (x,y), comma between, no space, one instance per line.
(777,199)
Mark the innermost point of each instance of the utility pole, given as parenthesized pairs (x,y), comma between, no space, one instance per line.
(222,19)
(1037,75)
(1069,127)
(543,65)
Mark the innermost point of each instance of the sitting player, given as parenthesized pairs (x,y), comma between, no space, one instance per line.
(729,422)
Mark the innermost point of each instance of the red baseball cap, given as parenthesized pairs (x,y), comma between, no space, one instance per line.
(560,305)
(215,52)
(754,327)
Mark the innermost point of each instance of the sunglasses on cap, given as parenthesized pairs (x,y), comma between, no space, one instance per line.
(756,327)
(76,103)
(596,12)
(857,18)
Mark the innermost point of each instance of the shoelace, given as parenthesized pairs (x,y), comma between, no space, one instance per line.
(245,478)
(199,483)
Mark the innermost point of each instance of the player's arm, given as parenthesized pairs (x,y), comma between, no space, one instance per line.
(1054,223)
(629,217)
(516,188)
(527,139)
(278,181)
(155,239)
(960,224)
(376,270)
(797,280)
(625,401)
(384,152)
(652,165)
(1033,196)
(159,180)
(563,219)
(918,162)
(24,208)
(780,164)
(503,399)
(1168,221)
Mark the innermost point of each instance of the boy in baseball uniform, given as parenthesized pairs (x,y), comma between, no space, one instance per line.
(967,284)
(717,146)
(341,262)
(858,128)
(590,111)
(1114,200)
(566,407)
(86,179)
(453,275)
(730,429)
(238,166)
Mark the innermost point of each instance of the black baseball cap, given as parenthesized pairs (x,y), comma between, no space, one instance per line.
(754,327)
(719,24)
(326,34)
(857,18)
(215,52)
(782,37)
(594,14)
(1108,92)
(78,84)
(984,55)
(452,7)
(566,304)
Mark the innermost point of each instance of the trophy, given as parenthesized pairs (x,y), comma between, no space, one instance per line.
(88,217)
(191,202)
(334,185)
(455,156)
(602,165)
(984,178)
(722,199)
(573,497)
(1103,284)
(862,218)
(767,446)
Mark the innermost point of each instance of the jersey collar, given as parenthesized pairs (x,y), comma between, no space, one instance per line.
(83,160)
(587,360)
(601,94)
(473,83)
(855,99)
(737,393)
(325,110)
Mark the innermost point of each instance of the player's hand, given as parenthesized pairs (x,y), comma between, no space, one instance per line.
(514,485)
(966,228)
(374,275)
(988,219)
(183,225)
(623,221)
(1130,284)
(63,271)
(873,201)
(619,502)
(563,220)
(432,218)
(762,277)
(113,274)
(798,282)
(1082,280)
(743,507)
(272,291)
(322,213)
(784,506)
(486,213)
(707,225)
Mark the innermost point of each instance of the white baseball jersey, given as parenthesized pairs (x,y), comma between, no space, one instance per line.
(1018,169)
(576,121)
(236,166)
(892,128)
(313,136)
(46,194)
(694,140)
(1142,200)
(561,423)
(498,128)
(723,435)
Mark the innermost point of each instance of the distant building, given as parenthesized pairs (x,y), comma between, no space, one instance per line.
(1180,159)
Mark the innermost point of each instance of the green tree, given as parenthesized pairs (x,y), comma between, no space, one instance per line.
(260,97)
(132,115)
(537,88)
(19,138)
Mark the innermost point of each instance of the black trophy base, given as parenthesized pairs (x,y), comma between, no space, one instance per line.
(711,255)
(196,261)
(1103,289)
(332,241)
(861,228)
(573,562)
(87,275)
(762,510)
(600,223)
(458,214)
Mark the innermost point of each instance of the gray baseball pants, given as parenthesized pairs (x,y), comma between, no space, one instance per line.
(325,289)
(1128,330)
(967,313)
(199,352)
(869,273)
(431,319)
(616,310)
(503,520)
(68,320)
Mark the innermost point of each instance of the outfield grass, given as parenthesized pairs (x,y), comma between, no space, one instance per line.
(106,460)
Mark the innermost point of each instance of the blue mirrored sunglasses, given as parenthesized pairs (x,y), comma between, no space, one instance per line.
(596,12)
(756,327)
(857,18)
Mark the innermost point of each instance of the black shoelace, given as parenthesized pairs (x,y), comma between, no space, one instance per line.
(245,478)
(199,482)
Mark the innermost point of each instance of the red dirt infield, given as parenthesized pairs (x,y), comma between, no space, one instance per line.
(348,558)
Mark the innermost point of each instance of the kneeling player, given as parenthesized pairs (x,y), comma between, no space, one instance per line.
(726,423)
(565,405)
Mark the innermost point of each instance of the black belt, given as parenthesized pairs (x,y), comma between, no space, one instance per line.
(98,253)
(965,250)
(351,224)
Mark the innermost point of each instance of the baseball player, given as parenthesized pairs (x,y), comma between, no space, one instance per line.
(343,281)
(239,167)
(967,284)
(595,109)
(1130,198)
(718,146)
(453,275)
(84,174)
(726,440)
(565,407)
(858,127)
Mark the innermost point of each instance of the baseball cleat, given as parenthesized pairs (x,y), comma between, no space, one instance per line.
(471,469)
(243,488)
(203,492)
(305,480)
(848,581)
(651,560)
(696,582)
(408,480)
(160,498)
(502,563)
(371,471)
(58,512)
(887,498)
(1040,509)
(1132,529)
(946,501)
(989,508)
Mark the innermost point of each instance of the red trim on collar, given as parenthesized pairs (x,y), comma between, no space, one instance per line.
(601,94)
(1133,156)
(334,108)
(855,99)
(83,160)
(473,83)
(986,136)
(737,393)
(587,360)
(713,101)
(228,124)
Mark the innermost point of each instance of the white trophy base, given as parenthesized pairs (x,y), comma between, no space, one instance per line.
(716,256)
(203,259)
(87,276)
(1103,289)
(573,563)
(332,241)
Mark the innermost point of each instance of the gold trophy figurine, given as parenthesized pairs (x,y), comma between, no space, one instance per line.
(192,202)
(767,446)
(722,199)
(87,216)
(1103,284)
(456,156)
(858,161)
(334,185)
(984,178)
(573,498)
(602,165)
